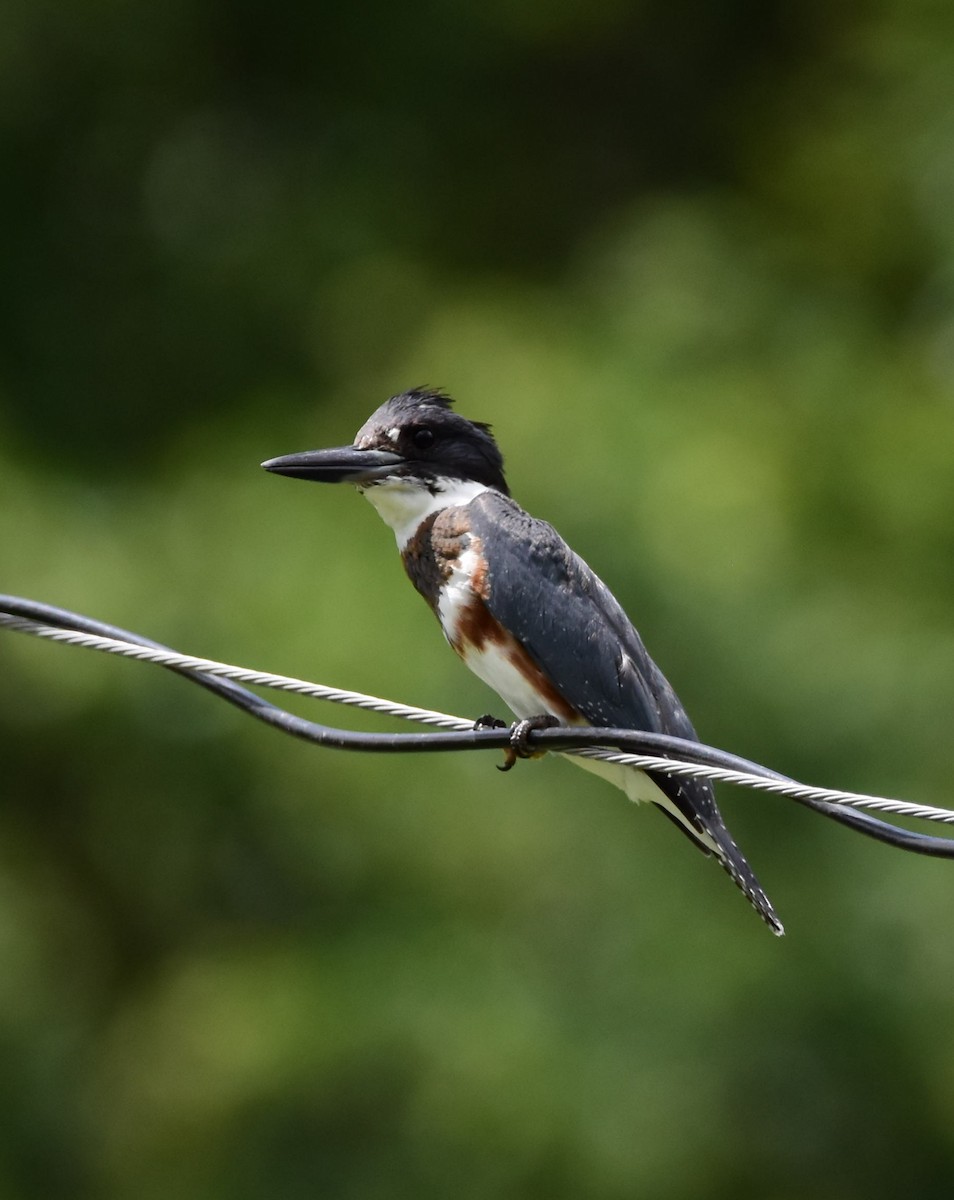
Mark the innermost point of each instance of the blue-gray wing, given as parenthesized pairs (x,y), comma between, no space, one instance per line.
(574,629)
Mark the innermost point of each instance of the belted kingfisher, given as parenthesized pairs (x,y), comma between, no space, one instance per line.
(524,612)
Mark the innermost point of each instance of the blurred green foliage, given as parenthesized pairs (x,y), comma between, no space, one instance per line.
(700,255)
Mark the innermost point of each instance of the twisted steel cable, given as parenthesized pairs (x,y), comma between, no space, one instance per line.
(648,751)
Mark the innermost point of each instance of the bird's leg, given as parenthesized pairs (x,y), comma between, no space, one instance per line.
(519,747)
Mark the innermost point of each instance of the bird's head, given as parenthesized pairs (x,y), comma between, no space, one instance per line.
(414,439)
(411,458)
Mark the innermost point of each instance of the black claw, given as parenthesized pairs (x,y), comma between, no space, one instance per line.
(489,721)
(519,744)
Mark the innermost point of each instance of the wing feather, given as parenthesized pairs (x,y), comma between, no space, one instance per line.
(574,629)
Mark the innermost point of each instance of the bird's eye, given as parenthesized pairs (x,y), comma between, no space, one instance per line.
(423,437)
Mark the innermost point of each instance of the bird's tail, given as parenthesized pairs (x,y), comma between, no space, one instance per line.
(690,805)
(736,866)
(716,840)
(745,880)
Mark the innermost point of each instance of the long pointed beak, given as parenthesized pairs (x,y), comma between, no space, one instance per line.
(344,464)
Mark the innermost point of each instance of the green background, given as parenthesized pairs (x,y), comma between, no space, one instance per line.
(695,261)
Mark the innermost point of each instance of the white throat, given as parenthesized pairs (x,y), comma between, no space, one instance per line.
(404,503)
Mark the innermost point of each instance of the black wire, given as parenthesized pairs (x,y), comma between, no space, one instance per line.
(558,738)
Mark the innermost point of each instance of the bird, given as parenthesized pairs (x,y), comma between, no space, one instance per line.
(524,612)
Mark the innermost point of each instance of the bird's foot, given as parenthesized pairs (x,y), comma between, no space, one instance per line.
(489,721)
(519,746)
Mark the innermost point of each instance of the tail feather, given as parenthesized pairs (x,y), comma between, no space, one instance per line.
(733,862)
(721,846)
(690,805)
